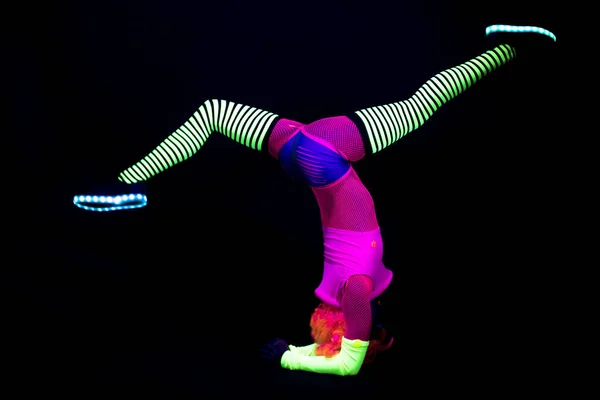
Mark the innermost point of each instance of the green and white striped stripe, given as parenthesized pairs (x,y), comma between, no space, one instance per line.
(386,124)
(246,125)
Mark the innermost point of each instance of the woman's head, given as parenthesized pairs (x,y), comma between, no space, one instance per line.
(328,326)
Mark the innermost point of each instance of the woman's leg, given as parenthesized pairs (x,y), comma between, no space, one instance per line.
(244,124)
(372,129)
(381,126)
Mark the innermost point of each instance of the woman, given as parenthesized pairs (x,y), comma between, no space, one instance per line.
(321,154)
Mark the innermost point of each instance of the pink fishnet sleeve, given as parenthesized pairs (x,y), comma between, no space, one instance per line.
(356,306)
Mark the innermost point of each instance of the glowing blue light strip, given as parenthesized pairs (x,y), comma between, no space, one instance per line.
(110,203)
(513,28)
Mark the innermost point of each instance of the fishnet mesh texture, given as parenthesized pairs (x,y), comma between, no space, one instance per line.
(347,204)
(342,133)
(282,132)
(356,306)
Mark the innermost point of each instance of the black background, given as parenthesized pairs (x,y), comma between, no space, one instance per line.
(175,298)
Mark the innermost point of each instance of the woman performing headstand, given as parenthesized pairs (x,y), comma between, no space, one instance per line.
(321,154)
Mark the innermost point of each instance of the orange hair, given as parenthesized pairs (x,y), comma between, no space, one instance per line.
(327,329)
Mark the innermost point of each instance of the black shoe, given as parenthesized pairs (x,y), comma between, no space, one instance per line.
(113,196)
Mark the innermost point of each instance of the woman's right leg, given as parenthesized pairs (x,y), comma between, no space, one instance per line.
(381,126)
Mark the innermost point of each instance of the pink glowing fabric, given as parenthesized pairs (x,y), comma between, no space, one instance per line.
(348,254)
(352,239)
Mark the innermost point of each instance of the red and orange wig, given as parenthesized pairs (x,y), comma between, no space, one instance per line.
(328,325)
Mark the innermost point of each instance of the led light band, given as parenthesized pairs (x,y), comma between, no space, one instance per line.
(514,28)
(110,203)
